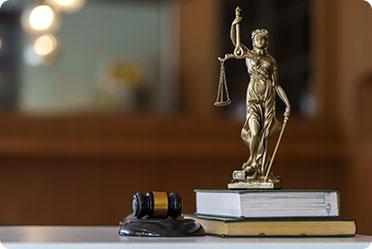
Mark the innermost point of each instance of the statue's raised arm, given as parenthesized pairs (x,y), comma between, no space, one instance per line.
(240,48)
(240,51)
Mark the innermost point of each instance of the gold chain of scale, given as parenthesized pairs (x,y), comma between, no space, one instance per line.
(222,89)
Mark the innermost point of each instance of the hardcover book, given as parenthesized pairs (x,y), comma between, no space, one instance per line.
(268,203)
(276,227)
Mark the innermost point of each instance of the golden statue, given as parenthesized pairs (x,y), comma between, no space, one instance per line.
(261,123)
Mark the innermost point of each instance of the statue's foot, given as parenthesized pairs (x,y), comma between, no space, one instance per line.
(252,171)
(247,164)
(252,176)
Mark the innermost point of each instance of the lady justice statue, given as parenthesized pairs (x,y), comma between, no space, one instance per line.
(260,123)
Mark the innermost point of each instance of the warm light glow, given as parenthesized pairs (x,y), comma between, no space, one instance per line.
(65,2)
(68,5)
(45,45)
(41,17)
(1,44)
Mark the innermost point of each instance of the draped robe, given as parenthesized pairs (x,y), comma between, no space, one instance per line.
(260,104)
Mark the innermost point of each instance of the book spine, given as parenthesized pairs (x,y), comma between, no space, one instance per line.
(332,201)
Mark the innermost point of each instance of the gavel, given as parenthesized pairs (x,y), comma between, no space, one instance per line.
(157,205)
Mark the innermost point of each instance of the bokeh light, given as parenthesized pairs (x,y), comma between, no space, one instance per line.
(65,2)
(41,17)
(67,5)
(45,44)
(42,51)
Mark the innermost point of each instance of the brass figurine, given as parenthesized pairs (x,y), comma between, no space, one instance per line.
(261,122)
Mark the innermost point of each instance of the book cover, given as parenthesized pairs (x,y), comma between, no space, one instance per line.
(268,203)
(276,227)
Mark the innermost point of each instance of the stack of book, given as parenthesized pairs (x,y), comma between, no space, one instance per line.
(286,213)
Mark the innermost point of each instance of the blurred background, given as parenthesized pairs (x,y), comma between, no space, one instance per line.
(103,99)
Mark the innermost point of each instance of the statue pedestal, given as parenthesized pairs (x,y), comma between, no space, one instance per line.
(240,181)
(254,185)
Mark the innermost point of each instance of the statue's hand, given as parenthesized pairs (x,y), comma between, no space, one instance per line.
(237,20)
(287,112)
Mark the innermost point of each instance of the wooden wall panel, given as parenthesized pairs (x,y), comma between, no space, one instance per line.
(198,56)
(86,173)
(354,67)
(98,192)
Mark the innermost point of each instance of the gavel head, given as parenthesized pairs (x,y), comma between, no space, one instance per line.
(157,205)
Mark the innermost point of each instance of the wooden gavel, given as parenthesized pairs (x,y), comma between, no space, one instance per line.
(157,205)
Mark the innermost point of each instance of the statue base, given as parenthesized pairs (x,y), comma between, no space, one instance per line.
(241,181)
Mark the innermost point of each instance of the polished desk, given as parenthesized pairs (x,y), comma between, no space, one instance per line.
(58,237)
